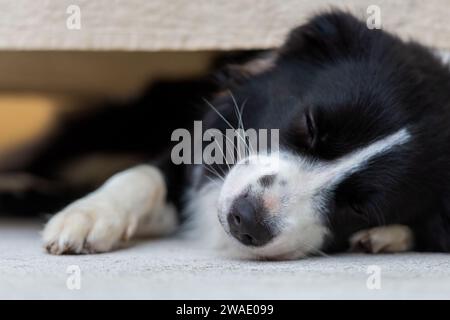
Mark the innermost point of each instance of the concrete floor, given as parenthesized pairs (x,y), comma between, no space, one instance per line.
(175,269)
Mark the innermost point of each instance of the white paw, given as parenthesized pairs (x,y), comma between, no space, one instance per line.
(87,226)
(393,238)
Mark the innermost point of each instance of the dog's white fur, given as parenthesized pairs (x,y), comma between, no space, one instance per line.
(136,197)
(295,205)
(387,239)
(131,202)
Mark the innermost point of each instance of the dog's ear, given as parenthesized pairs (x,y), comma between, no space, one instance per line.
(325,36)
(236,73)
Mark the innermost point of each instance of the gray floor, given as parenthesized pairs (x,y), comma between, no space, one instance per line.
(175,269)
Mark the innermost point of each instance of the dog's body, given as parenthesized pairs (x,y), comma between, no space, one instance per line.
(363,159)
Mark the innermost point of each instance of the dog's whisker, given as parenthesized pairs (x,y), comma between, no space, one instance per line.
(240,126)
(240,112)
(214,172)
(224,158)
(224,119)
(219,114)
(211,179)
(233,145)
(249,146)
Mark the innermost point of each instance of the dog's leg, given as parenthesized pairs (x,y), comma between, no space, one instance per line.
(392,238)
(130,201)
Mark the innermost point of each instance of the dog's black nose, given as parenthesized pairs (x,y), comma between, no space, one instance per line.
(246,222)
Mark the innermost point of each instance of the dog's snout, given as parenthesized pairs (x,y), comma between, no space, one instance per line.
(246,222)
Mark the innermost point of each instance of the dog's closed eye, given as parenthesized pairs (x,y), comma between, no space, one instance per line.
(303,132)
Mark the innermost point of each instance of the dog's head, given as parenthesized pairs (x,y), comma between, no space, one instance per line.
(345,101)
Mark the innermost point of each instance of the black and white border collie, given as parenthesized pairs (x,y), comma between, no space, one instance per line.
(363,160)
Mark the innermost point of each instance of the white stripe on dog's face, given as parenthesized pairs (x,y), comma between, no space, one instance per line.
(291,191)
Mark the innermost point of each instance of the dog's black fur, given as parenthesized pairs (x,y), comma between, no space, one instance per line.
(335,86)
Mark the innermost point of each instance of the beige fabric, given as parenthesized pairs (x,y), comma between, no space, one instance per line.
(197,24)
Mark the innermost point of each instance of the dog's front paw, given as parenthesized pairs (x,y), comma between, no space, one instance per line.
(87,226)
(387,239)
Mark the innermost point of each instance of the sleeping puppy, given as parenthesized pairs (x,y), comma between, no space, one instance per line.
(362,163)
